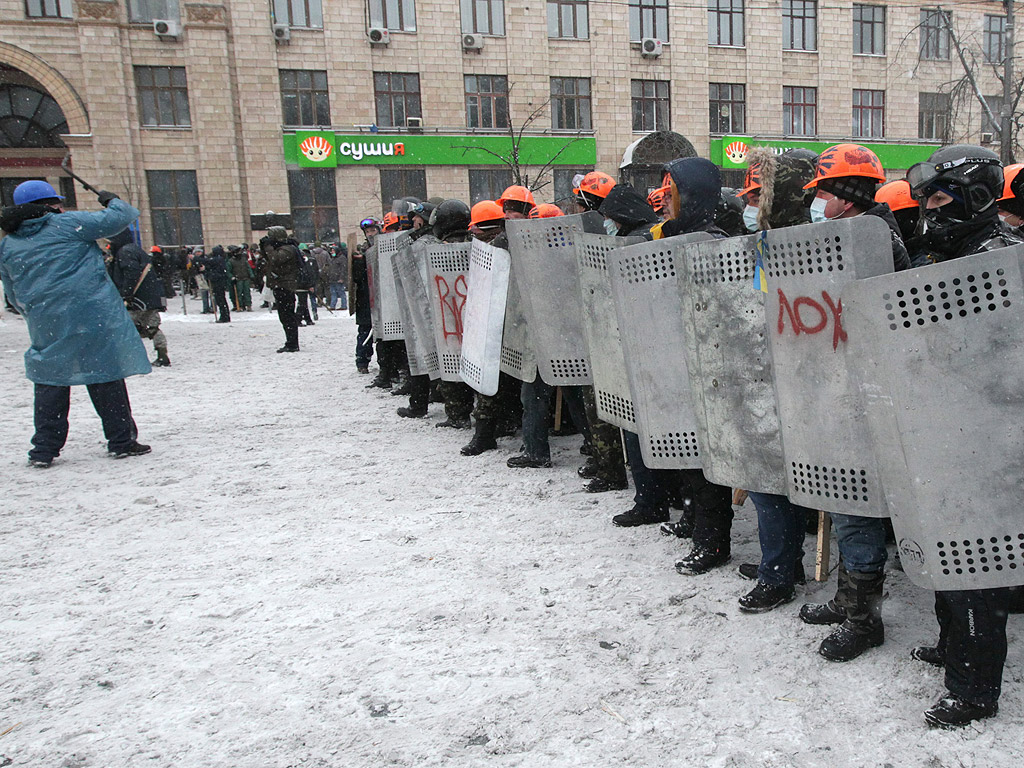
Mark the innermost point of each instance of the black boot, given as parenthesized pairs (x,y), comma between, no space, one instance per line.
(765,597)
(834,611)
(863,626)
(702,559)
(412,413)
(951,711)
(381,381)
(483,439)
(640,515)
(403,387)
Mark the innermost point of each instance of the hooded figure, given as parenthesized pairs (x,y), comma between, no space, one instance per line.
(127,267)
(696,189)
(629,210)
(784,201)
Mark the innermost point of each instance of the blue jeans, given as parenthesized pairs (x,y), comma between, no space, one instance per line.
(781,530)
(654,487)
(364,351)
(861,542)
(536,398)
(204,293)
(338,292)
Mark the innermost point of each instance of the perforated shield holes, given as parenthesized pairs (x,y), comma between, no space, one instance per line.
(484,317)
(940,300)
(447,287)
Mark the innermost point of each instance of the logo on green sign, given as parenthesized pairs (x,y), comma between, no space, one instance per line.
(316,149)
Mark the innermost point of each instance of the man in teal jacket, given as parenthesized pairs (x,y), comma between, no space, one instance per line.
(81,334)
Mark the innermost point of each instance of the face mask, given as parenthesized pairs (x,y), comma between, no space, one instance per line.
(750,218)
(610,227)
(818,210)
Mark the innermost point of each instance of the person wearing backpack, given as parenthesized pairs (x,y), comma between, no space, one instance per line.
(282,274)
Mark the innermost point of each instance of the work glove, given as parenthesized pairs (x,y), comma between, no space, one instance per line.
(105,197)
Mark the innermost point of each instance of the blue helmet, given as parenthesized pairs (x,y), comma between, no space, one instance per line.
(31,191)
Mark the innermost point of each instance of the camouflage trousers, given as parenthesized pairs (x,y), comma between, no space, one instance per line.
(147,323)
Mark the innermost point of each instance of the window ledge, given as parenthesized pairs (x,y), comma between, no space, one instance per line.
(395,31)
(800,50)
(728,47)
(570,39)
(638,43)
(486,34)
(179,128)
(307,29)
(51,19)
(871,55)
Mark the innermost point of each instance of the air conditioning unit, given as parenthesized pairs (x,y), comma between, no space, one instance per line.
(379,36)
(472,42)
(414,124)
(650,48)
(987,138)
(282,33)
(169,28)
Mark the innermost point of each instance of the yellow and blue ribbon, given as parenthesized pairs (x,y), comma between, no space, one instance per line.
(760,283)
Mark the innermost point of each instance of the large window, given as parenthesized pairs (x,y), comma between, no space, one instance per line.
(994,41)
(304,99)
(486,101)
(174,203)
(648,18)
(869,30)
(488,183)
(397,15)
(145,11)
(799,111)
(728,107)
(486,17)
(299,13)
(563,186)
(933,114)
(406,182)
(650,105)
(725,22)
(568,18)
(163,96)
(397,95)
(800,25)
(995,105)
(570,103)
(48,9)
(868,114)
(314,204)
(934,34)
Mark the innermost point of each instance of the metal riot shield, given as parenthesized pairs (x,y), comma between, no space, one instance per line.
(939,356)
(447,268)
(644,281)
(829,461)
(484,316)
(387,318)
(544,262)
(350,286)
(601,328)
(517,357)
(729,365)
(410,267)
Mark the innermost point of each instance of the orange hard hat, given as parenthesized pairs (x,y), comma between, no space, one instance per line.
(391,221)
(752,181)
(485,211)
(658,199)
(158,249)
(597,183)
(1009,174)
(546,211)
(896,194)
(515,193)
(844,160)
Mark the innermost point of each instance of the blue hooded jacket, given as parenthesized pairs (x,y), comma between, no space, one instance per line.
(53,272)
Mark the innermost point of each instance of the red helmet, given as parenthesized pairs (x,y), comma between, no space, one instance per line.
(1009,174)
(752,181)
(546,211)
(486,212)
(843,160)
(658,199)
(595,188)
(391,222)
(896,194)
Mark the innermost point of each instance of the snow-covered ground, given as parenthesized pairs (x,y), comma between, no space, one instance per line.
(297,577)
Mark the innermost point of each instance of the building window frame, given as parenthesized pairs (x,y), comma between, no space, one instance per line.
(313,197)
(299,14)
(648,18)
(868,30)
(167,100)
(393,15)
(390,100)
(305,97)
(570,104)
(994,39)
(726,23)
(488,183)
(568,15)
(184,217)
(412,182)
(995,105)
(799,110)
(727,108)
(800,25)
(483,17)
(486,101)
(651,102)
(868,114)
(147,11)
(48,9)
(934,35)
(934,113)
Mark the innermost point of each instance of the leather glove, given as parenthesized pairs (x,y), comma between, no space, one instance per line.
(105,197)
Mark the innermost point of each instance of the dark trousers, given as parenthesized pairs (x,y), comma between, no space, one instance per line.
(712,506)
(285,301)
(654,487)
(458,399)
(52,404)
(304,298)
(364,345)
(419,392)
(781,526)
(972,635)
(536,399)
(220,296)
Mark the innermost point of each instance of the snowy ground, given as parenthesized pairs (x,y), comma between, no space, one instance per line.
(297,577)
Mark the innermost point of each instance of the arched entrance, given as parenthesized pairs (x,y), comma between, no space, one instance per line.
(642,162)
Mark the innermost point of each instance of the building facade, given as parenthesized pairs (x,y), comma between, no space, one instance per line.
(197,112)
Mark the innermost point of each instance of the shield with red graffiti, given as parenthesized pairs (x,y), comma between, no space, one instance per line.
(447,286)
(484,317)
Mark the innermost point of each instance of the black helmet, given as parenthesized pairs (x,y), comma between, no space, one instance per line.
(450,217)
(729,213)
(972,176)
(423,210)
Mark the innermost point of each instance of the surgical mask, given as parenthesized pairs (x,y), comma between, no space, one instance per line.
(611,227)
(750,218)
(818,210)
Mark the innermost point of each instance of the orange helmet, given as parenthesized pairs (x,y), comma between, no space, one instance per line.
(658,199)
(1009,174)
(391,222)
(486,212)
(897,195)
(517,194)
(752,181)
(546,211)
(158,249)
(844,160)
(595,188)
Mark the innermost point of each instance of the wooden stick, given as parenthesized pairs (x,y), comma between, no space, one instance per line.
(824,546)
(4,733)
(558,409)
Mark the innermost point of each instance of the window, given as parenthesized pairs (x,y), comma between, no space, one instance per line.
(934,34)
(314,204)
(800,25)
(799,111)
(304,98)
(163,96)
(648,18)
(486,17)
(486,101)
(401,183)
(933,113)
(488,183)
(563,187)
(995,36)
(299,13)
(48,9)
(398,96)
(145,11)
(568,18)
(868,114)
(174,204)
(995,105)
(725,22)
(650,105)
(397,15)
(728,106)
(869,30)
(570,103)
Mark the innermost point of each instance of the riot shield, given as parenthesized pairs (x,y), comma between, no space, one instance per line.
(353,243)
(387,318)
(644,281)
(447,268)
(517,357)
(410,267)
(828,456)
(601,328)
(544,263)
(484,317)
(938,353)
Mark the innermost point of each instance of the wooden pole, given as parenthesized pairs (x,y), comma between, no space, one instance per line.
(558,409)
(824,546)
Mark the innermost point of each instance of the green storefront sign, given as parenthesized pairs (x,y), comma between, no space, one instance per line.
(731,151)
(326,149)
